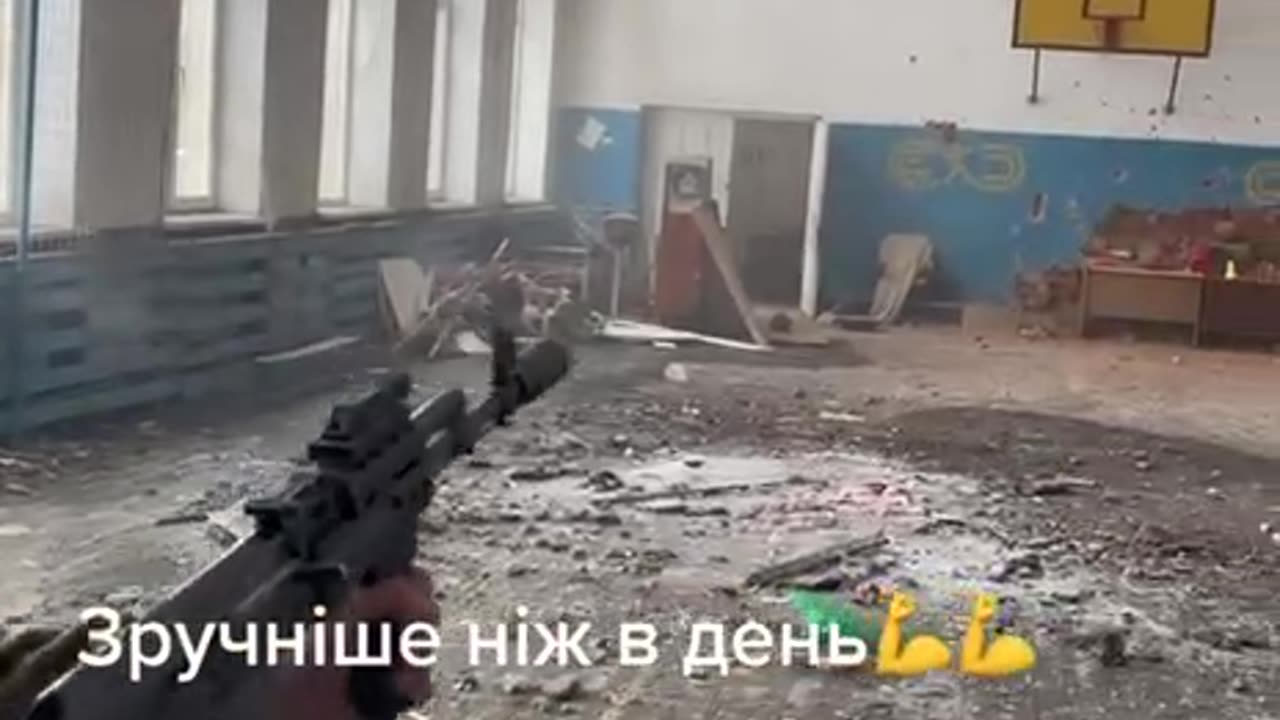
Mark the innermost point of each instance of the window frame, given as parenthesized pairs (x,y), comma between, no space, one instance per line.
(346,110)
(511,174)
(179,204)
(438,122)
(12,41)
(520,41)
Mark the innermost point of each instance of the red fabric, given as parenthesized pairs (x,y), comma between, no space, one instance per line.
(1201,258)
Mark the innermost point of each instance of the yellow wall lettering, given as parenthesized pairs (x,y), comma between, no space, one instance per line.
(918,165)
(1262,182)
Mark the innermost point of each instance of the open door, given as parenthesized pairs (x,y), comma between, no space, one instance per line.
(769,183)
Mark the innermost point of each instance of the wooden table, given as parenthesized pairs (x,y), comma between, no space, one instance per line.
(1120,292)
(1245,309)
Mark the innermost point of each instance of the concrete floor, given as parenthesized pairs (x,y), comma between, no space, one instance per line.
(927,434)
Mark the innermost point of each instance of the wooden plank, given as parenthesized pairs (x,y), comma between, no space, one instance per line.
(814,561)
(722,254)
(406,290)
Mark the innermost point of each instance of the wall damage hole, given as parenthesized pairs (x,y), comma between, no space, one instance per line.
(1039,207)
(949,131)
(1120,176)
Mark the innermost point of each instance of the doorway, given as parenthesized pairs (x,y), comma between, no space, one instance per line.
(769,184)
(762,178)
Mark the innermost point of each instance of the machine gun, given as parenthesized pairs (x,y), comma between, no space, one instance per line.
(351,517)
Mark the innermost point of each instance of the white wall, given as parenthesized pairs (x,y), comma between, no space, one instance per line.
(910,61)
(676,134)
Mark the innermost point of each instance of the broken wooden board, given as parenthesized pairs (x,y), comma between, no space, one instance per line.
(814,561)
(722,253)
(432,330)
(406,290)
(631,331)
(316,348)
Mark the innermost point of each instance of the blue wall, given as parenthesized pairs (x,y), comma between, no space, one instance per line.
(975,196)
(599,159)
(992,203)
(164,317)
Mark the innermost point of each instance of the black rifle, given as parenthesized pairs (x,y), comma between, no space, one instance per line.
(350,518)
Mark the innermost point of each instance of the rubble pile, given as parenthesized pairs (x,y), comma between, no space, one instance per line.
(452,309)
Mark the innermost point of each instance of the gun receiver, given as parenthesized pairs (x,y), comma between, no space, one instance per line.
(350,517)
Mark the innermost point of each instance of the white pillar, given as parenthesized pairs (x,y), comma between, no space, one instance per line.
(411,106)
(271,90)
(813,220)
(128,54)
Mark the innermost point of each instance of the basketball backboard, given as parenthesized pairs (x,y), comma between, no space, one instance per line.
(1154,27)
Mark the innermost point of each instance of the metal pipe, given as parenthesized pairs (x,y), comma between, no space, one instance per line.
(30,42)
(1170,105)
(811,267)
(1034,97)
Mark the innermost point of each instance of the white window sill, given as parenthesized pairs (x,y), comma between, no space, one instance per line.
(202,224)
(518,202)
(351,212)
(446,205)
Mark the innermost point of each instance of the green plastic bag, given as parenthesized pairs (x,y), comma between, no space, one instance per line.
(825,610)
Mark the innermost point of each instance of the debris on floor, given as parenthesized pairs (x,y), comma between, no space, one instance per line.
(729,496)
(641,332)
(676,373)
(451,309)
(791,327)
(1061,486)
(815,560)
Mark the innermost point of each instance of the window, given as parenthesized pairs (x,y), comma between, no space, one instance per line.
(335,146)
(8,54)
(193,138)
(530,100)
(439,96)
